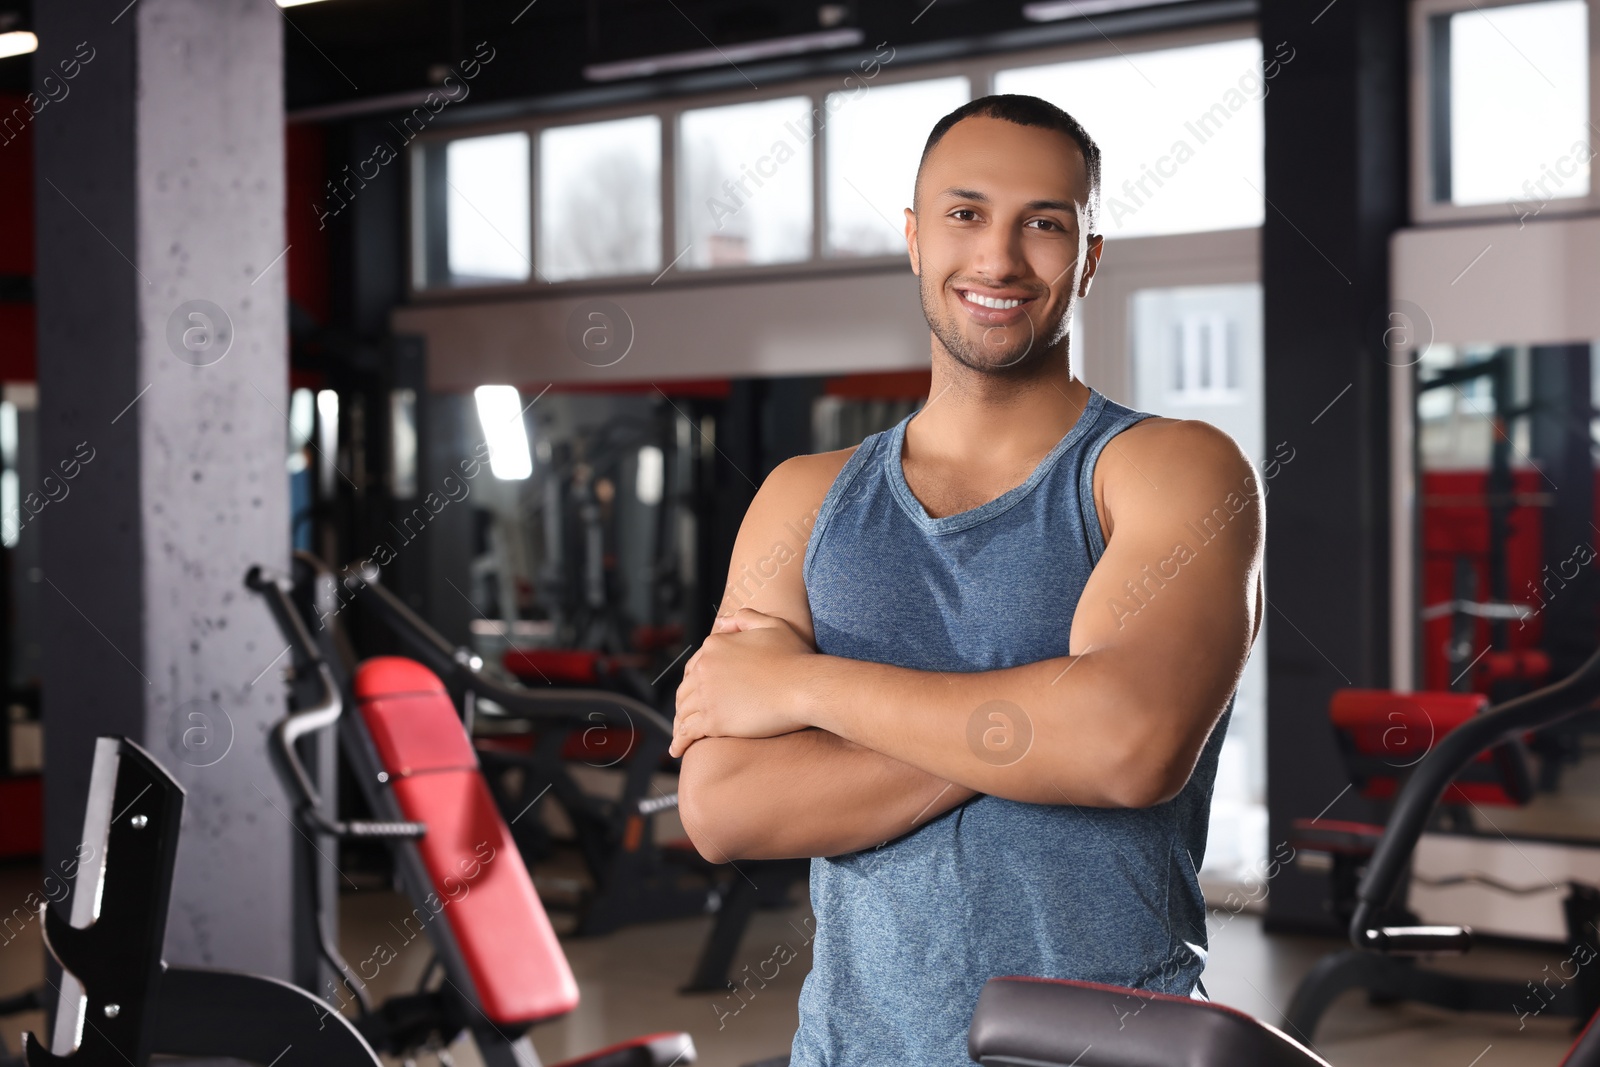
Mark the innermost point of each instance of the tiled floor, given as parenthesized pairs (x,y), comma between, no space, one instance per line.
(629,980)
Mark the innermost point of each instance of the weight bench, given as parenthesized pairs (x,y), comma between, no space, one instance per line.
(504,970)
(637,877)
(1045,1022)
(1383,736)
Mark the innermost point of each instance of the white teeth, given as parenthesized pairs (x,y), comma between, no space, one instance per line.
(992,302)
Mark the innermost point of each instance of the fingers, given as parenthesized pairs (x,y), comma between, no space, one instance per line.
(685,732)
(745,619)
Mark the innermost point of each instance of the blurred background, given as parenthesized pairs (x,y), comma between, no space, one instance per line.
(562,281)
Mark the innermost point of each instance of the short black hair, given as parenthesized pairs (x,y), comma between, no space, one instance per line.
(1027,111)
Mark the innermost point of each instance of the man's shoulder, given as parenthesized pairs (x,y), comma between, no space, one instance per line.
(1162,459)
(803,481)
(1179,446)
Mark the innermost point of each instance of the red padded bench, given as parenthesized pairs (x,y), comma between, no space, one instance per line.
(506,940)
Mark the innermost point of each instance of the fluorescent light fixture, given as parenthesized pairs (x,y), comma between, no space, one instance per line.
(652,475)
(295,3)
(328,447)
(17,43)
(500,413)
(716,57)
(1056,10)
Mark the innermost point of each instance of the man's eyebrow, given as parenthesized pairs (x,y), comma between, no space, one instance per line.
(1033,205)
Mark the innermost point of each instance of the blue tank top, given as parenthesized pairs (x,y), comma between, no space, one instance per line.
(908,933)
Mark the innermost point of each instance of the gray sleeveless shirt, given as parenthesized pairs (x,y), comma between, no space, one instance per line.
(907,934)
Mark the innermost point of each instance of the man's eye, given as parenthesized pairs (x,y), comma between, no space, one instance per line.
(1048,224)
(963,213)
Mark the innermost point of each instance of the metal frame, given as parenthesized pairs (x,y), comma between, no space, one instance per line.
(1425,131)
(979,71)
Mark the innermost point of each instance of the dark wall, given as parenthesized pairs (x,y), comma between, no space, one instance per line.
(1336,180)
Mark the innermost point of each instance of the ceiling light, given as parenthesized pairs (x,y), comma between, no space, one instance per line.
(716,57)
(500,414)
(17,43)
(1055,10)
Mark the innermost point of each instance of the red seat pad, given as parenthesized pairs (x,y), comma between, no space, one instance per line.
(411,718)
(480,885)
(1384,723)
(484,891)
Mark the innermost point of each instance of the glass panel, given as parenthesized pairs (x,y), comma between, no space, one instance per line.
(745,183)
(1180,132)
(1197,354)
(1506,492)
(486,209)
(874,141)
(1519,104)
(599,199)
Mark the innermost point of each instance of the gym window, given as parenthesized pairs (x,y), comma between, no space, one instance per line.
(744,183)
(1502,105)
(1180,131)
(599,212)
(813,176)
(875,140)
(475,221)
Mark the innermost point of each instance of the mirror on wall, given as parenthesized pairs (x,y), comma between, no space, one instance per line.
(1508,559)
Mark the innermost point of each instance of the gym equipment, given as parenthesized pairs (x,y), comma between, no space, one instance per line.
(1384,737)
(637,878)
(119,1002)
(1053,1023)
(503,969)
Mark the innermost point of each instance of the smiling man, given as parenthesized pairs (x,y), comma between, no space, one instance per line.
(989,695)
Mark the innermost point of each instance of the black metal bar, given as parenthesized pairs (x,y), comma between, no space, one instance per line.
(1417,799)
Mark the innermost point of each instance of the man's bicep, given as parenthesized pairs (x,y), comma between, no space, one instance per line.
(1175,594)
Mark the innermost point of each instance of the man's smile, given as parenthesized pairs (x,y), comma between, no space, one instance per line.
(995,307)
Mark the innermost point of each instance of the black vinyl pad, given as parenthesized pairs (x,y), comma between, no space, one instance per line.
(1045,1022)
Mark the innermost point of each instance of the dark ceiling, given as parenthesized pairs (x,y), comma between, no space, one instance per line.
(339,51)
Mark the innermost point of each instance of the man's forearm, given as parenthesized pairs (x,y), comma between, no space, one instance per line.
(808,793)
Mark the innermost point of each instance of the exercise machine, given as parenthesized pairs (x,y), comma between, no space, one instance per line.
(501,966)
(1056,1023)
(1385,738)
(636,876)
(118,1002)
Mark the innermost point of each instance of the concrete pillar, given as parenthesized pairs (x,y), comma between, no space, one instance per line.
(163,405)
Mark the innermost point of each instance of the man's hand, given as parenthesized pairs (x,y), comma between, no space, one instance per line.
(743,682)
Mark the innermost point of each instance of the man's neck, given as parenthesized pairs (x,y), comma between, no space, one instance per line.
(990,418)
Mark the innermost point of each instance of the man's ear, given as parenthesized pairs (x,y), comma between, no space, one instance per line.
(911,242)
(1096,245)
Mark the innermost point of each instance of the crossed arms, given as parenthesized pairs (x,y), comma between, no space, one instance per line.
(787,752)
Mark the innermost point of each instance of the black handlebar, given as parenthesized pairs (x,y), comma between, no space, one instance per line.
(458,667)
(325,712)
(1544,707)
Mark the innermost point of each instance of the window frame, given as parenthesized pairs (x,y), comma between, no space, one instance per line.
(1424,209)
(979,71)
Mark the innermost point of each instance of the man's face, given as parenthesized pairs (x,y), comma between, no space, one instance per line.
(997,243)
